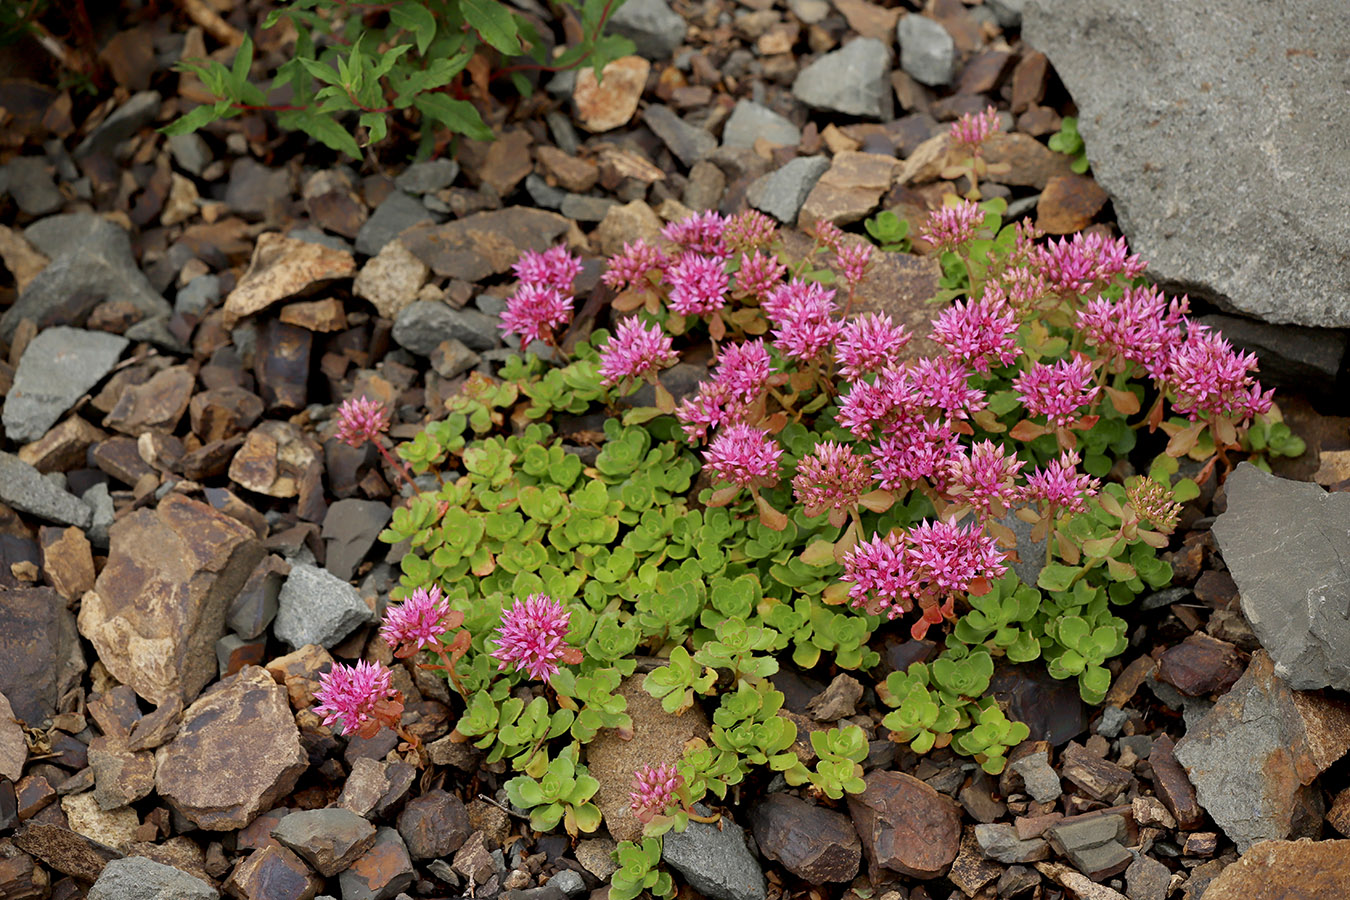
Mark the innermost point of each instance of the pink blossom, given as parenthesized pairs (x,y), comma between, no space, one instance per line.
(972,129)
(759,274)
(417,622)
(1141,327)
(985,479)
(880,574)
(700,233)
(744,369)
(654,791)
(948,227)
(749,230)
(353,694)
(534,311)
(633,267)
(943,383)
(556,268)
(804,316)
(919,451)
(713,406)
(698,284)
(852,263)
(532,636)
(1087,262)
(1060,485)
(1059,391)
(635,351)
(978,331)
(827,234)
(952,558)
(1208,378)
(869,405)
(744,455)
(361,419)
(831,477)
(868,343)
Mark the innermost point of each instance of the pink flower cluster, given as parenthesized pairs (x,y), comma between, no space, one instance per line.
(1060,485)
(1059,391)
(979,331)
(1087,262)
(655,790)
(361,419)
(353,695)
(543,300)
(831,477)
(635,351)
(744,455)
(973,129)
(532,637)
(417,622)
(948,227)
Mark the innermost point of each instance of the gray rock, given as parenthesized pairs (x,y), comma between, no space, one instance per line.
(428,177)
(1042,782)
(927,51)
(1008,13)
(715,860)
(350,528)
(1030,554)
(586,209)
(689,143)
(811,12)
(781,193)
(198,295)
(311,235)
(854,80)
(128,119)
(24,488)
(1112,721)
(1301,359)
(31,185)
(397,212)
(91,261)
(543,193)
(1094,844)
(1184,74)
(100,501)
(328,839)
(59,365)
(317,607)
(138,878)
(1000,842)
(420,327)
(569,882)
(750,121)
(1286,544)
(257,191)
(652,25)
(190,152)
(1147,879)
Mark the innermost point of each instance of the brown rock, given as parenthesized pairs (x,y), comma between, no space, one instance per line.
(328,839)
(605,103)
(373,786)
(838,701)
(625,224)
(65,851)
(1076,883)
(1201,665)
(22,259)
(1069,203)
(211,460)
(326,315)
(1217,590)
(658,738)
(391,280)
(13,747)
(23,879)
(159,605)
(970,871)
(817,845)
(1099,779)
(67,561)
(383,871)
(237,752)
(850,189)
(507,161)
(113,827)
(1029,81)
(334,202)
(1173,787)
(273,873)
(905,825)
(870,20)
(63,447)
(274,459)
(1286,870)
(434,825)
(984,72)
(121,775)
(484,244)
(120,457)
(281,363)
(32,794)
(156,406)
(568,172)
(299,673)
(221,413)
(474,861)
(157,727)
(1338,816)
(1031,163)
(41,650)
(284,267)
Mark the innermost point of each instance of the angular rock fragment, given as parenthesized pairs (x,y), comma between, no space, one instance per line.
(905,825)
(817,845)
(59,365)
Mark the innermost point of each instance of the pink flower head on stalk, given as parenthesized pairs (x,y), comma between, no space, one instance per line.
(972,129)
(744,455)
(535,310)
(952,558)
(633,267)
(744,369)
(1059,391)
(354,695)
(417,622)
(759,274)
(1087,262)
(948,227)
(804,316)
(555,268)
(943,383)
(713,406)
(701,233)
(654,790)
(635,351)
(1210,379)
(749,230)
(531,636)
(698,284)
(361,419)
(978,331)
(918,452)
(831,477)
(868,343)
(1142,327)
(880,574)
(1060,485)
(852,263)
(1153,501)
(985,480)
(827,234)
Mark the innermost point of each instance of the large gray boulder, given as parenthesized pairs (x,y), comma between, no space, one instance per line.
(1217,127)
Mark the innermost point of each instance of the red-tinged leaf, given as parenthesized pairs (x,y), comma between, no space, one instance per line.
(775,423)
(818,553)
(677,325)
(1120,571)
(960,427)
(1153,539)
(629,301)
(800,381)
(1027,430)
(1110,504)
(979,587)
(1225,434)
(1182,442)
(1124,402)
(664,400)
(1155,415)
(1068,551)
(877,501)
(1040,531)
(1085,423)
(723,496)
(716,327)
(988,421)
(1068,441)
(836,594)
(1001,533)
(1028,515)
(768,516)
(486,567)
(837,516)
(847,542)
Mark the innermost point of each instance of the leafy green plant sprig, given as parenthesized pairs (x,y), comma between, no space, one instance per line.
(1069,142)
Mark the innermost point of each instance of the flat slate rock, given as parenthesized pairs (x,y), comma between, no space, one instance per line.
(1165,93)
(317,607)
(25,489)
(1287,544)
(59,365)
(483,244)
(138,878)
(715,861)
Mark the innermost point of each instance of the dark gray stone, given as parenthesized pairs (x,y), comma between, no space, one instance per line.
(854,80)
(689,143)
(428,177)
(257,191)
(1030,554)
(24,488)
(1184,74)
(1042,783)
(397,212)
(190,152)
(782,192)
(59,365)
(125,121)
(30,184)
(750,120)
(543,193)
(1301,359)
(1147,879)
(328,839)
(586,209)
(41,645)
(317,607)
(927,51)
(1008,13)
(421,326)
(198,295)
(1000,842)
(138,878)
(715,861)
(652,25)
(349,531)
(1286,544)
